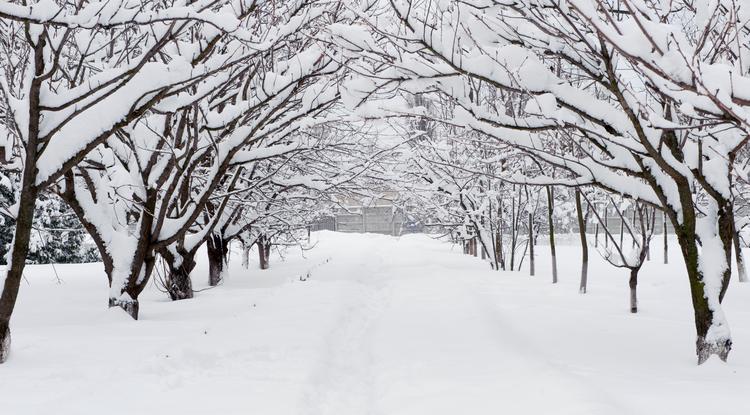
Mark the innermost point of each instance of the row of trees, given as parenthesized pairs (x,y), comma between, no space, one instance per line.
(641,99)
(165,126)
(468,186)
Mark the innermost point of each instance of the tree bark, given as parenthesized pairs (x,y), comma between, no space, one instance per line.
(712,336)
(131,307)
(531,244)
(14,272)
(633,293)
(126,297)
(551,225)
(136,275)
(632,237)
(245,255)
(4,341)
(177,282)
(738,255)
(703,315)
(726,234)
(500,235)
(499,250)
(217,249)
(26,202)
(666,239)
(139,272)
(584,244)
(513,232)
(264,251)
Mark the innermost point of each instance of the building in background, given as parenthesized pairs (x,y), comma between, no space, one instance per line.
(362,216)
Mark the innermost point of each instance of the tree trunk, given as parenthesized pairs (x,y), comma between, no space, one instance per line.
(178,284)
(245,255)
(264,251)
(703,315)
(666,239)
(26,202)
(17,261)
(726,234)
(712,334)
(584,245)
(633,293)
(500,234)
(738,255)
(130,307)
(139,273)
(551,225)
(632,237)
(499,250)
(531,245)
(217,249)
(513,233)
(4,341)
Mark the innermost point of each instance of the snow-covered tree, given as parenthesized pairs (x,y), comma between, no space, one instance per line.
(630,253)
(75,73)
(181,162)
(602,75)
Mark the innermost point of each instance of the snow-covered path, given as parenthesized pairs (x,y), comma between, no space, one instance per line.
(426,337)
(381,326)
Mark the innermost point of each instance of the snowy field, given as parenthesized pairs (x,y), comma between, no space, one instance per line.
(382,326)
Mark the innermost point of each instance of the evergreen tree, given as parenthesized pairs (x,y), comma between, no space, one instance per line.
(57,237)
(6,222)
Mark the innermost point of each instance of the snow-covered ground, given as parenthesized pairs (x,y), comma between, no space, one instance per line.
(382,326)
